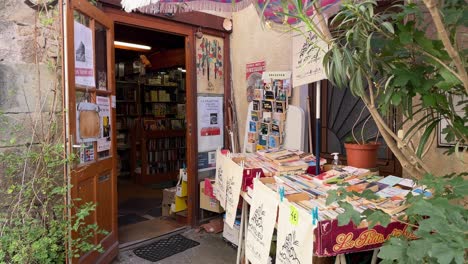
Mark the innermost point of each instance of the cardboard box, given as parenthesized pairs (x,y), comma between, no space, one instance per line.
(169,195)
(208,203)
(232,234)
(166,210)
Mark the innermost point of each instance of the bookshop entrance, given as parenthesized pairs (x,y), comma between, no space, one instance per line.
(150,78)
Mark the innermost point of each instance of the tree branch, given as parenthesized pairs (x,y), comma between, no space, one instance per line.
(444,37)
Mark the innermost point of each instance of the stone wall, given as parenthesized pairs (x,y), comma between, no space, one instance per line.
(30,90)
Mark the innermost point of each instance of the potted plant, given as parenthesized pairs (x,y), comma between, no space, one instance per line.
(361,149)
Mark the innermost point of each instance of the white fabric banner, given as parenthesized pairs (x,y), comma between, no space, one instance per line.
(262,221)
(295,235)
(233,188)
(220,179)
(308,51)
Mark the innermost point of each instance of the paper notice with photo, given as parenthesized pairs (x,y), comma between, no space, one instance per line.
(233,188)
(263,211)
(295,235)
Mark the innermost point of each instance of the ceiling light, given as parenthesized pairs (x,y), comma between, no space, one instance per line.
(130,46)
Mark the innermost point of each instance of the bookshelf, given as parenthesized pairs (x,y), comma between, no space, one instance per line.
(127,115)
(159,145)
(162,154)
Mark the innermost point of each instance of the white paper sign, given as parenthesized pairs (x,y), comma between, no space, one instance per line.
(262,220)
(104,141)
(307,58)
(84,56)
(210,123)
(295,235)
(220,179)
(233,188)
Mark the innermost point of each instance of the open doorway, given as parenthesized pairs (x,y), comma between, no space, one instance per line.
(151,99)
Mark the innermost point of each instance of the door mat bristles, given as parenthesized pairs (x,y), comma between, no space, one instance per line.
(164,248)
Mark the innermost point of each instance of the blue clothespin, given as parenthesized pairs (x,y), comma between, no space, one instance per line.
(314,214)
(281,193)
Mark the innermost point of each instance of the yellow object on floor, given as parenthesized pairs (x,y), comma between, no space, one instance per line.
(180,204)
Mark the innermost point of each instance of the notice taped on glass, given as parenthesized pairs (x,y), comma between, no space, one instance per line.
(210,123)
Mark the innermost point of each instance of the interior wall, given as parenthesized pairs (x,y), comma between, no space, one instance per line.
(250,42)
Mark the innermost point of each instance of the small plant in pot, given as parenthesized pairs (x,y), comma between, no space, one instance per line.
(361,149)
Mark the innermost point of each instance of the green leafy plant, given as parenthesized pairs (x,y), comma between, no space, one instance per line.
(36,220)
(440,221)
(392,59)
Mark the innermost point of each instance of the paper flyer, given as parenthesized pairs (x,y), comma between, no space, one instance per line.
(210,123)
(220,179)
(84,56)
(262,221)
(233,188)
(295,235)
(104,140)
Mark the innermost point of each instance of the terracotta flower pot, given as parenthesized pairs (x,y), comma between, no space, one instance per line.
(362,156)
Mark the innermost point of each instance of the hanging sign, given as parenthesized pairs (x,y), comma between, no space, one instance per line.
(210,65)
(262,221)
(84,56)
(233,187)
(295,235)
(220,178)
(308,51)
(210,123)
(104,141)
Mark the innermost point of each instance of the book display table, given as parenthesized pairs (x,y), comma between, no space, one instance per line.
(308,192)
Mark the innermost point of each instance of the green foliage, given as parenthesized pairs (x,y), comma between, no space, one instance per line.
(35,227)
(440,222)
(391,54)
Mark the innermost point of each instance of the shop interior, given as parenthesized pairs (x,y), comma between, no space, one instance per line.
(150,125)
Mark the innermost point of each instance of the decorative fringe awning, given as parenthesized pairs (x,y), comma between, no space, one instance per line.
(271,12)
(176,6)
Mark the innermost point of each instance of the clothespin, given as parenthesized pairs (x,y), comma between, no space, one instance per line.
(281,193)
(314,214)
(257,176)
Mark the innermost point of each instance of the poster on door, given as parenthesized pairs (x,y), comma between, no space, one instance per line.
(210,123)
(210,65)
(104,140)
(295,235)
(84,56)
(262,219)
(308,51)
(233,178)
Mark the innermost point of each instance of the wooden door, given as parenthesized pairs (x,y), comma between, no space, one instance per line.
(89,81)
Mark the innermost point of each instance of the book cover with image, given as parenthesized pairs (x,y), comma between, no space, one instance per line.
(265,128)
(258,94)
(266,117)
(263,140)
(267,106)
(256,105)
(255,115)
(274,141)
(254,126)
(280,107)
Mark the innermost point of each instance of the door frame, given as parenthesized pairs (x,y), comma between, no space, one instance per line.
(157,24)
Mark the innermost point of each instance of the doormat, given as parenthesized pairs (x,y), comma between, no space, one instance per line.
(155,212)
(138,205)
(164,248)
(129,219)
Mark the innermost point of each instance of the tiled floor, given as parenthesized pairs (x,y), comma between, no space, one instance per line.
(212,250)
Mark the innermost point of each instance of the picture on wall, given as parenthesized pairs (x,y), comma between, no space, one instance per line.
(210,65)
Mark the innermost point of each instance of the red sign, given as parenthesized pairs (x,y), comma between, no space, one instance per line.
(257,67)
(332,239)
